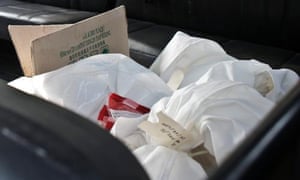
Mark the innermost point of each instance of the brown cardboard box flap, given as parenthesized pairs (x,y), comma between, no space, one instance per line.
(42,48)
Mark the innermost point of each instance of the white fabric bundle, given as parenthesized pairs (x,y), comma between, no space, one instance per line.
(188,59)
(271,83)
(191,55)
(83,87)
(218,113)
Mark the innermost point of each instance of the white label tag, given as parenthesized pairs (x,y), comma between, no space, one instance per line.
(263,83)
(166,132)
(176,79)
(119,113)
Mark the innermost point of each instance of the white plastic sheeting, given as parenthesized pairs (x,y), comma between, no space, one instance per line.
(191,55)
(190,59)
(84,86)
(218,113)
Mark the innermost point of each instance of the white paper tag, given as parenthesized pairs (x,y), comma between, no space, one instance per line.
(263,83)
(176,79)
(119,113)
(166,132)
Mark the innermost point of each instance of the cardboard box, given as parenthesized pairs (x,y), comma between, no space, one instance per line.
(42,48)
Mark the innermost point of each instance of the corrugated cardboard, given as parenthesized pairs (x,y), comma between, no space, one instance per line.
(42,48)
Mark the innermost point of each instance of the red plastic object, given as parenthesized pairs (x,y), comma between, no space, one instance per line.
(121,105)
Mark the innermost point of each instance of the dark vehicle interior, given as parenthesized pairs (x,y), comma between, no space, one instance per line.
(76,149)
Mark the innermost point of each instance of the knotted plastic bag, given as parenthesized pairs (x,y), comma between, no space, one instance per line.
(84,86)
(219,114)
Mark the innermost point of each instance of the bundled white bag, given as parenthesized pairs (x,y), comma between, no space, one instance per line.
(221,100)
(218,113)
(84,86)
(187,59)
(271,83)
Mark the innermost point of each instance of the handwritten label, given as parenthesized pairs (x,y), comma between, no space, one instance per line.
(166,132)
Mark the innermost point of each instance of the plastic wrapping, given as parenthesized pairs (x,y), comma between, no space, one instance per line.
(187,59)
(219,114)
(84,86)
(271,83)
(191,55)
